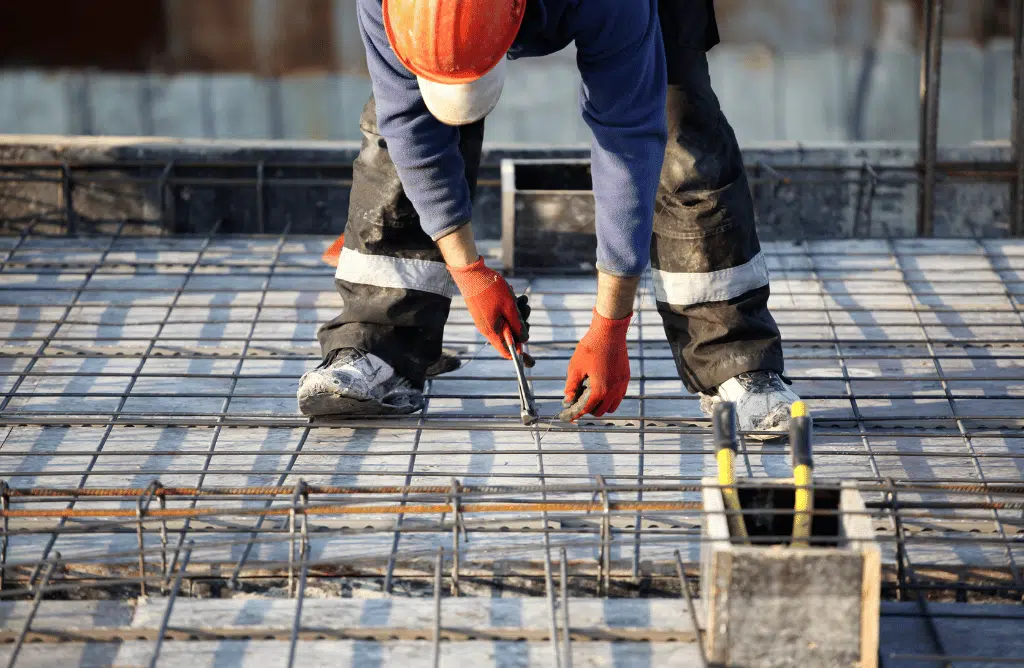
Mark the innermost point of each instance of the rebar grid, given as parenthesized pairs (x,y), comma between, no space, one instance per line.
(128,360)
(913,375)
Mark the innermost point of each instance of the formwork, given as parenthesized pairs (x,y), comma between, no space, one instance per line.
(164,504)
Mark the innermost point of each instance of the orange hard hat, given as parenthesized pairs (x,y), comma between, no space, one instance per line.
(452,41)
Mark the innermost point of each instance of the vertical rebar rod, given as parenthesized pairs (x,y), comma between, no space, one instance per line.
(641,440)
(549,586)
(297,621)
(1017,132)
(456,526)
(5,506)
(140,513)
(563,572)
(931,81)
(438,570)
(684,588)
(166,620)
(36,600)
(67,194)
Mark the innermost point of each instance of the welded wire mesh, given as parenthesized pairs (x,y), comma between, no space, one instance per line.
(151,440)
(129,360)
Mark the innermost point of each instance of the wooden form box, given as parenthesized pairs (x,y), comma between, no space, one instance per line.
(774,605)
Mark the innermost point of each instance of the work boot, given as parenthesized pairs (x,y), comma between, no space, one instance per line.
(762,402)
(351,382)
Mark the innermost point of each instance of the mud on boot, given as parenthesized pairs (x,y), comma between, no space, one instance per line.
(353,383)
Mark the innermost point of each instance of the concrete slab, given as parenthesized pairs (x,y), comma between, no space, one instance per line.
(890,108)
(119,105)
(998,89)
(962,102)
(182,106)
(813,112)
(39,102)
(746,82)
(245,107)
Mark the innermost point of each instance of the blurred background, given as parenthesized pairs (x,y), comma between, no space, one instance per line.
(797,70)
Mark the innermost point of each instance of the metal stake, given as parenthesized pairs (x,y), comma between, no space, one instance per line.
(931,80)
(140,513)
(5,503)
(684,586)
(1017,200)
(438,568)
(564,582)
(170,604)
(297,622)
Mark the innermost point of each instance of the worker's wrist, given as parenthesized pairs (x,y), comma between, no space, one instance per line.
(459,248)
(615,295)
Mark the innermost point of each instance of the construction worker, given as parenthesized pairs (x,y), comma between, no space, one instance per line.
(669,186)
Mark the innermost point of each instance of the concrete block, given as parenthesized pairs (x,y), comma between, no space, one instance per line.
(245,107)
(353,91)
(813,105)
(961,102)
(181,106)
(890,108)
(37,102)
(744,79)
(119,105)
(307,104)
(768,604)
(998,89)
(323,107)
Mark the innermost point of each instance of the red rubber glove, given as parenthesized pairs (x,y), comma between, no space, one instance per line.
(493,305)
(601,358)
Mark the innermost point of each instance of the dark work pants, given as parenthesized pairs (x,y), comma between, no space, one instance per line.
(709,275)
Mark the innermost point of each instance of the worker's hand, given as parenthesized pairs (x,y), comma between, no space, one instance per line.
(600,359)
(494,306)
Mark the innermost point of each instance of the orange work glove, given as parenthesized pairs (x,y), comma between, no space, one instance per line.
(600,359)
(332,254)
(493,305)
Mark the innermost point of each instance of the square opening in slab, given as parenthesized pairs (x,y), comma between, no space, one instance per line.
(554,176)
(776,527)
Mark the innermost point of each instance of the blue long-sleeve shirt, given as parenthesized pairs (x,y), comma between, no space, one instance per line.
(622,64)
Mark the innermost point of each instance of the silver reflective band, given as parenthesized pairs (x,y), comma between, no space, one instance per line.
(713,286)
(394,272)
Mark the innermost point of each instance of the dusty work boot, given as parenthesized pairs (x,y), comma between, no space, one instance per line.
(351,382)
(448,361)
(762,402)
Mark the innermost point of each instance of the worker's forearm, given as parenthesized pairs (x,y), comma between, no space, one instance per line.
(459,248)
(615,295)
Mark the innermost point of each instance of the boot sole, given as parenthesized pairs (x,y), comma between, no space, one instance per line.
(335,405)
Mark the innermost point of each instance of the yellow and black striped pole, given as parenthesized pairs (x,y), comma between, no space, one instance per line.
(724,425)
(800,428)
